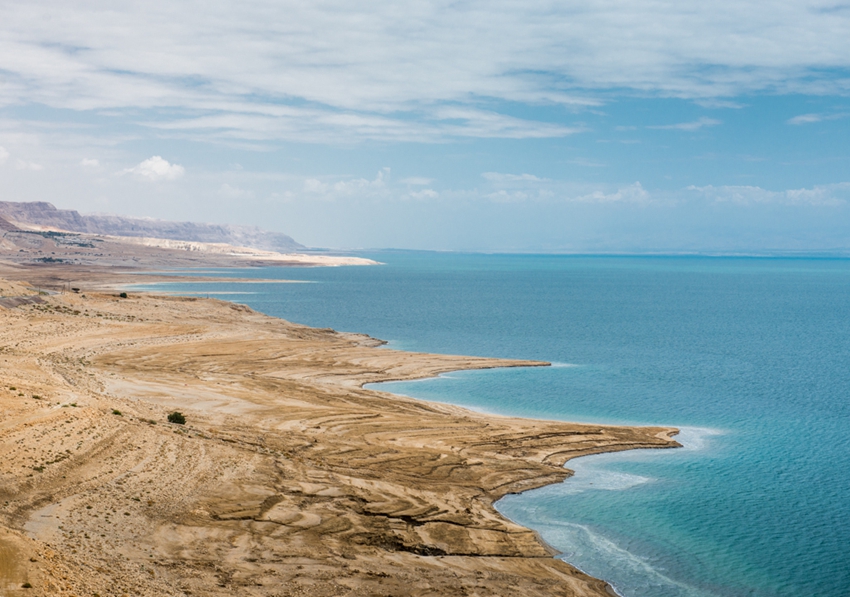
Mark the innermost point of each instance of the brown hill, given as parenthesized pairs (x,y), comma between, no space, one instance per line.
(43,214)
(7,226)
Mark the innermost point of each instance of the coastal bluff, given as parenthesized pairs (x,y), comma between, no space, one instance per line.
(288,478)
(45,216)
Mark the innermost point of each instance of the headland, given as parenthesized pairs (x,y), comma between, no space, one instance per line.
(288,477)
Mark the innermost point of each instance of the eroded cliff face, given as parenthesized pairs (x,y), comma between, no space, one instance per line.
(43,214)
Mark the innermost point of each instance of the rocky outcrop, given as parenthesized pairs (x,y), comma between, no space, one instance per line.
(43,214)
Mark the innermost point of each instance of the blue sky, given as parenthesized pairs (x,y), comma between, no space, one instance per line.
(600,126)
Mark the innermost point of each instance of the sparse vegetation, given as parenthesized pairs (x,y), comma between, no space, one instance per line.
(26,585)
(177,417)
(123,295)
(36,397)
(13,388)
(115,411)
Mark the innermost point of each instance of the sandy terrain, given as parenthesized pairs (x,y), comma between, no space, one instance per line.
(288,478)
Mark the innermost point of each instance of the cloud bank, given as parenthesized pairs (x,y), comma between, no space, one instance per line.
(415,69)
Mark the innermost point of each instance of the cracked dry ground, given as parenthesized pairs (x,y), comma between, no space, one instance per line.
(288,478)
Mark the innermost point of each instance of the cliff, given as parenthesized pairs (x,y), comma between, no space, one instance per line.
(46,215)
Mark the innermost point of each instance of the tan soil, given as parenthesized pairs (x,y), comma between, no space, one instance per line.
(288,478)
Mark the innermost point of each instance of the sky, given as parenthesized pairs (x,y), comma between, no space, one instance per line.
(531,126)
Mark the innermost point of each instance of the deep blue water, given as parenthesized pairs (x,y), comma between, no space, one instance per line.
(750,357)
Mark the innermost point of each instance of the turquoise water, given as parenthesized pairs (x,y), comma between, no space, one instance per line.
(748,356)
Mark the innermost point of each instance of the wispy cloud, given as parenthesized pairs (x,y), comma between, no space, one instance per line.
(633,193)
(716,103)
(351,187)
(233,192)
(587,163)
(373,70)
(417,181)
(827,195)
(25,165)
(502,177)
(693,125)
(812,118)
(805,119)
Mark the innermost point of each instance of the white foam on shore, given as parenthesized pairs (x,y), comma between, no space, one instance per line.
(643,577)
(593,478)
(588,549)
(696,439)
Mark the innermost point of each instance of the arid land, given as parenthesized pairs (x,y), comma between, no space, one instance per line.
(288,477)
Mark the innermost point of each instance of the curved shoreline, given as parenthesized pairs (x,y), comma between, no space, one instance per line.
(539,532)
(322,470)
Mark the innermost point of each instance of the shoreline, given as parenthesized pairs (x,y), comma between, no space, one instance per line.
(329,472)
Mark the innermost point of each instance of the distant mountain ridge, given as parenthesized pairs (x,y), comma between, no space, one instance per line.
(41,213)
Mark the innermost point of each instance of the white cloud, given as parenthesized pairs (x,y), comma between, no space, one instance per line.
(89,163)
(313,185)
(505,196)
(233,70)
(633,193)
(24,165)
(502,177)
(351,187)
(155,169)
(689,126)
(587,163)
(425,194)
(231,192)
(811,118)
(4,155)
(716,103)
(417,181)
(832,194)
(805,119)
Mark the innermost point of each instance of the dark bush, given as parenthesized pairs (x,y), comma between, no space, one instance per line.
(123,295)
(115,411)
(177,417)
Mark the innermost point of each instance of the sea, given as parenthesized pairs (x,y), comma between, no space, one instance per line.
(748,356)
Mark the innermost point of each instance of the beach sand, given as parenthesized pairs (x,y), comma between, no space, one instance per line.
(288,477)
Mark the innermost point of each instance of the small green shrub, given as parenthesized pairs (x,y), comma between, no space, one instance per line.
(37,397)
(26,585)
(177,417)
(115,411)
(123,295)
(13,388)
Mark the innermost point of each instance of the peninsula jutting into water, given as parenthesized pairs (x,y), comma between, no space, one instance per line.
(746,356)
(285,478)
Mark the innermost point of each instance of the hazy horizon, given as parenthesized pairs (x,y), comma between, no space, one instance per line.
(613,127)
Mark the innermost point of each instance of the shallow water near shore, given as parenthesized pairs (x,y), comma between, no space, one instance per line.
(748,356)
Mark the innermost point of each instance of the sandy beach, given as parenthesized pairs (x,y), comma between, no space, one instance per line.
(288,477)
